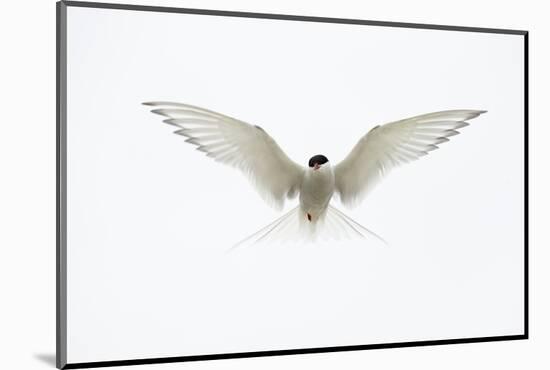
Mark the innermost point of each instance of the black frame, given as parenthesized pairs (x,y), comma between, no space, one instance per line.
(61,172)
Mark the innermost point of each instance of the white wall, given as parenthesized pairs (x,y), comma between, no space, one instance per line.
(27,189)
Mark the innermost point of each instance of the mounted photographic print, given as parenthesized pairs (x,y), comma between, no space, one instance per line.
(239,184)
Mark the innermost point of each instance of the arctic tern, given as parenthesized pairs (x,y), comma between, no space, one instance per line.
(250,149)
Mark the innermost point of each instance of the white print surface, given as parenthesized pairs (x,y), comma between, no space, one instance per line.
(150,219)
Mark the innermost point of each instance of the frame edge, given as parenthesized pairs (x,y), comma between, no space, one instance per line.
(194,358)
(289,17)
(61,172)
(526,183)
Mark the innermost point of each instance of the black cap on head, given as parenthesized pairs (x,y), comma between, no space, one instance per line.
(317,159)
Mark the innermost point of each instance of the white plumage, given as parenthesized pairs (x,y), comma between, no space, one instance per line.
(388,146)
(250,149)
(238,144)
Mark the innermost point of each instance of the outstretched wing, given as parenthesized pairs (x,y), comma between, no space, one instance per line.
(387,146)
(238,144)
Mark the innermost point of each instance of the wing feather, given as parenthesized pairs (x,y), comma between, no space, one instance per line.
(238,144)
(390,145)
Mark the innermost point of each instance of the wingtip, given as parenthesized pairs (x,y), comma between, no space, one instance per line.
(478,113)
(158,103)
(160,112)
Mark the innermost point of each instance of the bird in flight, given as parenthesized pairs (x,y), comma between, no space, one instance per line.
(277,178)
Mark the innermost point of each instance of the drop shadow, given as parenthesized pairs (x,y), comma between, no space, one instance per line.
(47,358)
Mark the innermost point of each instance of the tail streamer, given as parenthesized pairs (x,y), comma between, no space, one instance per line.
(294,226)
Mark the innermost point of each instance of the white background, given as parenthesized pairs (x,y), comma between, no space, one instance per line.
(150,219)
(29,239)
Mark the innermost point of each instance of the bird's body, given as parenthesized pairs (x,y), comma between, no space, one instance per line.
(250,149)
(316,192)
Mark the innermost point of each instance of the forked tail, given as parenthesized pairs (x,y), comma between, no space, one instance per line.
(294,226)
(348,226)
